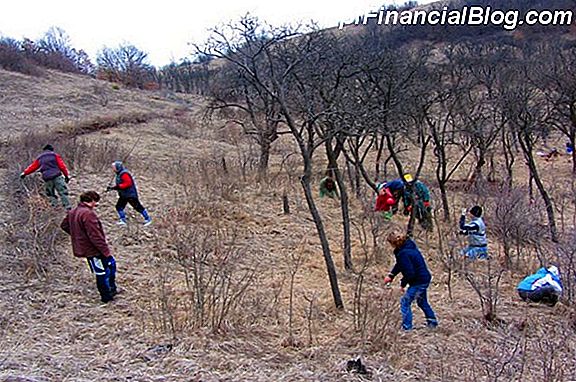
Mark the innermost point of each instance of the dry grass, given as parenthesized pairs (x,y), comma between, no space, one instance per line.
(52,327)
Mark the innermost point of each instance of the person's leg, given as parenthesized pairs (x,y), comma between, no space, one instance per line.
(422,301)
(135,203)
(120,206)
(111,269)
(100,270)
(62,190)
(427,222)
(546,295)
(523,294)
(405,307)
(49,187)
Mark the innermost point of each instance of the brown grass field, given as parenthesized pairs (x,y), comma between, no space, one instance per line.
(206,289)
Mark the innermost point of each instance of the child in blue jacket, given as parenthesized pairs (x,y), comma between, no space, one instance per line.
(415,275)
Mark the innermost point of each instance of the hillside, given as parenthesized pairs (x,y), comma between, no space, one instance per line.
(53,327)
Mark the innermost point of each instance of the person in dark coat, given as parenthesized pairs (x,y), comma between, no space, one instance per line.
(89,241)
(415,274)
(417,194)
(54,174)
(127,194)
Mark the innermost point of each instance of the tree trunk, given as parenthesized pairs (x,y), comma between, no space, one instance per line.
(305,181)
(264,158)
(526,146)
(573,160)
(333,163)
(444,197)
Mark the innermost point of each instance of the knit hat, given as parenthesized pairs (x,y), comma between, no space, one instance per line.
(554,270)
(118,166)
(48,147)
(476,211)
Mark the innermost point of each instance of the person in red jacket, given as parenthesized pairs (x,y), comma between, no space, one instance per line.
(89,241)
(127,193)
(385,201)
(54,174)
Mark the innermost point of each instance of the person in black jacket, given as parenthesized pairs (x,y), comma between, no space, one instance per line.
(415,274)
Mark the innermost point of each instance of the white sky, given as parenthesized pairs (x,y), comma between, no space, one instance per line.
(163,29)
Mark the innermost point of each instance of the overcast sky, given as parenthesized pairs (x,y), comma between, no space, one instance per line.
(163,28)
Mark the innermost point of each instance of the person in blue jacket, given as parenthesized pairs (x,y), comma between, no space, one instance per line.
(544,286)
(415,275)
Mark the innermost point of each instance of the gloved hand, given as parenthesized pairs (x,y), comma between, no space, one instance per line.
(464,211)
(426,204)
(387,215)
(388,280)
(22,175)
(66,179)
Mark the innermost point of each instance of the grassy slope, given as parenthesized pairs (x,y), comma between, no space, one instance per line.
(53,328)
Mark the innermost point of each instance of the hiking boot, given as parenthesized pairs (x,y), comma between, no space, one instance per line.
(147,222)
(121,222)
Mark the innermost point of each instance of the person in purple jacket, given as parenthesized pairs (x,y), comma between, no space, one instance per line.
(415,275)
(54,174)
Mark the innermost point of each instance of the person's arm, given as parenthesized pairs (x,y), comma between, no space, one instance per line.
(125,182)
(62,166)
(547,280)
(65,225)
(424,193)
(467,229)
(33,167)
(96,234)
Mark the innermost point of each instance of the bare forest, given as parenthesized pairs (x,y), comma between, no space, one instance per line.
(246,273)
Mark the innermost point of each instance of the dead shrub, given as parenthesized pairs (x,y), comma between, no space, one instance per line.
(33,231)
(566,259)
(12,58)
(513,219)
(79,155)
(104,122)
(484,276)
(217,276)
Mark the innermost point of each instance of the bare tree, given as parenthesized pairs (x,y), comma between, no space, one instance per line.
(125,64)
(556,68)
(276,75)
(528,117)
(237,90)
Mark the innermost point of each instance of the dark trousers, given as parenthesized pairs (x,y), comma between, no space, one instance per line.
(545,295)
(105,270)
(134,202)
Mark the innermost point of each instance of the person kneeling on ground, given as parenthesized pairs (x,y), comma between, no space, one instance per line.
(476,231)
(328,187)
(385,201)
(543,286)
(411,263)
(89,241)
